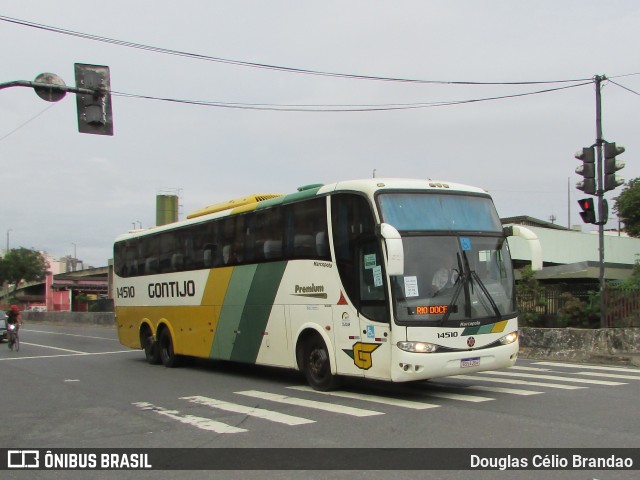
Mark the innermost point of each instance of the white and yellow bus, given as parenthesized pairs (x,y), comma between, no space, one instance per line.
(388,279)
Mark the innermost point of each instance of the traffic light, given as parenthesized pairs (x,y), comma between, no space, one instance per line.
(611,166)
(588,212)
(94,111)
(587,170)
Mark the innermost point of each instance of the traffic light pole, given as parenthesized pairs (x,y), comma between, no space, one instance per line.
(93,95)
(47,86)
(600,194)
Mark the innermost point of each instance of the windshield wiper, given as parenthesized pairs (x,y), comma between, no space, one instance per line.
(496,310)
(458,284)
(464,276)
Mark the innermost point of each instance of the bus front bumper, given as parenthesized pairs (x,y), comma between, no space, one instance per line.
(409,366)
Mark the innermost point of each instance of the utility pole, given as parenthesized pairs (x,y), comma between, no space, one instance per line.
(600,193)
(599,165)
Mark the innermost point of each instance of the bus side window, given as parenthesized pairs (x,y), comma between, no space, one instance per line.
(352,220)
(322,246)
(209,254)
(303,246)
(372,286)
(306,224)
(272,249)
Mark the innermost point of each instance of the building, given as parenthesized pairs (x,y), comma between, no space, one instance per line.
(570,255)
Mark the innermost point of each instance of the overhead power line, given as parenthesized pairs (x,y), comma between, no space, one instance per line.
(342,108)
(622,86)
(280,68)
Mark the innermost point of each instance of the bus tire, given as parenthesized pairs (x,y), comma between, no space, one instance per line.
(167,355)
(317,365)
(150,347)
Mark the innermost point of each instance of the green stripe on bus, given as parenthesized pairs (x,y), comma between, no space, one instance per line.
(263,290)
(292,197)
(481,330)
(231,311)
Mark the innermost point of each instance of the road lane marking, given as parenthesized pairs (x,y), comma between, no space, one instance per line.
(68,334)
(300,402)
(250,411)
(84,354)
(53,348)
(396,402)
(590,367)
(553,377)
(513,381)
(199,422)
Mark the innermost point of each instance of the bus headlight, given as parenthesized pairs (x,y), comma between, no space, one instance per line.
(510,338)
(417,347)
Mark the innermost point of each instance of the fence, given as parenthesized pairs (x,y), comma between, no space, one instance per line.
(622,307)
(579,306)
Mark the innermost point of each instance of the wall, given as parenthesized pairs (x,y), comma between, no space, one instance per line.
(80,318)
(604,345)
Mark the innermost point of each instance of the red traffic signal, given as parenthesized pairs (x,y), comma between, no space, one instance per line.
(588,212)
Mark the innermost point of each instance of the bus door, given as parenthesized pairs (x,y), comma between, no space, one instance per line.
(346,326)
(372,354)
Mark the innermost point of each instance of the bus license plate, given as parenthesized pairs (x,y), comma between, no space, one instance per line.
(470,362)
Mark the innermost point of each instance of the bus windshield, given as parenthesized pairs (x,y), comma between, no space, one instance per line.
(457,264)
(455,279)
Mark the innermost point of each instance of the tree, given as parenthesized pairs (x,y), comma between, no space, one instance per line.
(628,207)
(634,280)
(22,264)
(531,299)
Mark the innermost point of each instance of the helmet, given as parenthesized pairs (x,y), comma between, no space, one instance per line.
(14,308)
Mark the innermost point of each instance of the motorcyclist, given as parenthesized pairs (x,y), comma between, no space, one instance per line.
(13,317)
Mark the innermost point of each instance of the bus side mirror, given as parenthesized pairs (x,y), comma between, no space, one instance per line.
(532,240)
(395,250)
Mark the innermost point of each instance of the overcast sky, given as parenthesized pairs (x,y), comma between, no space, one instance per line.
(61,187)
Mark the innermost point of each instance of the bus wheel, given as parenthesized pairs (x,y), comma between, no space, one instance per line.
(151,347)
(317,367)
(167,355)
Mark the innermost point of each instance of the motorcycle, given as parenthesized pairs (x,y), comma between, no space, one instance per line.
(14,340)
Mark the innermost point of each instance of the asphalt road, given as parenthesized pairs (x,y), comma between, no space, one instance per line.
(77,387)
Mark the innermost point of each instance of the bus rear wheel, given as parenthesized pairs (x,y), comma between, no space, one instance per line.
(151,347)
(167,355)
(317,365)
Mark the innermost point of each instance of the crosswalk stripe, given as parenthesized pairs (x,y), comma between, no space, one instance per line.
(396,402)
(513,381)
(512,391)
(250,411)
(458,396)
(329,407)
(590,367)
(610,375)
(552,377)
(532,369)
(199,422)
